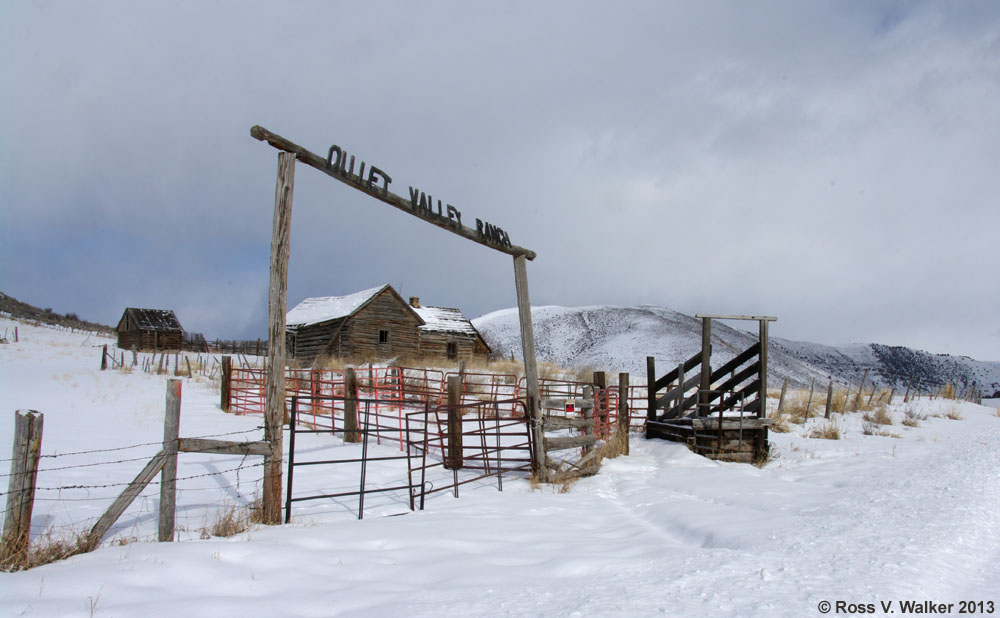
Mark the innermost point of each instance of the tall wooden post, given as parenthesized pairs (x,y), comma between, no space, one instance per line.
(762,395)
(274,401)
(104,357)
(21,484)
(530,367)
(453,459)
(601,409)
(650,391)
(704,397)
(624,413)
(351,433)
(168,476)
(226,384)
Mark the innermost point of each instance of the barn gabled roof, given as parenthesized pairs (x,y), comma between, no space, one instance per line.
(160,320)
(321,309)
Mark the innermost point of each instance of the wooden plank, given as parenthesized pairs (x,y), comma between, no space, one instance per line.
(554,423)
(388,197)
(126,498)
(735,362)
(688,365)
(714,316)
(650,389)
(557,444)
(530,365)
(168,478)
(222,447)
(274,397)
(667,399)
(560,404)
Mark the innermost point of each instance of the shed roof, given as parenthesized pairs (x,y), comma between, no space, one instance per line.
(445,319)
(161,320)
(319,309)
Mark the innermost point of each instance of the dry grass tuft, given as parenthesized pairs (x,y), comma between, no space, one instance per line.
(780,423)
(233,520)
(828,432)
(954,414)
(880,416)
(912,419)
(876,429)
(44,550)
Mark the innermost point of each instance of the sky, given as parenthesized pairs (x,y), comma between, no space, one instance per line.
(834,164)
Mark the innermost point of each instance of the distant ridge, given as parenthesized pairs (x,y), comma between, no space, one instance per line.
(19,309)
(616,338)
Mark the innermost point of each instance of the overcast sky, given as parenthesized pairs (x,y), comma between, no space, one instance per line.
(836,164)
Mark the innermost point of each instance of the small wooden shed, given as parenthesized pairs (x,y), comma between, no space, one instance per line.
(149,329)
(378,324)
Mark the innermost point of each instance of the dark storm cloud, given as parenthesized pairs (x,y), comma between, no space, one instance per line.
(830,163)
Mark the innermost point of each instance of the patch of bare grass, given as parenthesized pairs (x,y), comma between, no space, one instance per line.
(878,416)
(233,520)
(875,429)
(912,419)
(829,431)
(954,414)
(43,550)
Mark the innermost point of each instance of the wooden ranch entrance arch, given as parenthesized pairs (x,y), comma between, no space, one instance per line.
(340,165)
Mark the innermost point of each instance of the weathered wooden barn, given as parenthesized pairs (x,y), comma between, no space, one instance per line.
(149,329)
(379,324)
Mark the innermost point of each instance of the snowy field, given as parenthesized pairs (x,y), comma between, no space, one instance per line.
(865,521)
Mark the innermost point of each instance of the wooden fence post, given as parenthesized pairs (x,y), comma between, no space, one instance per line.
(861,389)
(781,399)
(650,391)
(588,415)
(829,397)
(168,476)
(453,458)
(21,484)
(351,433)
(705,384)
(274,396)
(847,397)
(530,364)
(601,411)
(226,384)
(812,387)
(624,418)
(104,357)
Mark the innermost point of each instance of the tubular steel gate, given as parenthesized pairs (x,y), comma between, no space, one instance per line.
(444,446)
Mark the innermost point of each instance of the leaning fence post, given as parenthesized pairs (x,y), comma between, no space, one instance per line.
(351,433)
(812,386)
(21,485)
(781,399)
(168,477)
(861,389)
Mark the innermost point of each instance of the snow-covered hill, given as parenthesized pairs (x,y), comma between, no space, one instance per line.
(620,338)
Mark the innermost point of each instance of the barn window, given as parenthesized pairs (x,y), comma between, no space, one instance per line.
(383,336)
(452,350)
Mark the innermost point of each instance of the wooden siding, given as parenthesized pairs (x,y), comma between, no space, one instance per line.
(387,311)
(149,340)
(306,343)
(435,344)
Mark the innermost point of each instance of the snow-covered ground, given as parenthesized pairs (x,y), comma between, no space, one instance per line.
(862,520)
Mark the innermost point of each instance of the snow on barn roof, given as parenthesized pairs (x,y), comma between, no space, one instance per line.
(444,319)
(162,320)
(325,308)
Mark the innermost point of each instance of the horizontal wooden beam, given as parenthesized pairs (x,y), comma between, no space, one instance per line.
(222,447)
(367,186)
(557,444)
(553,423)
(714,316)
